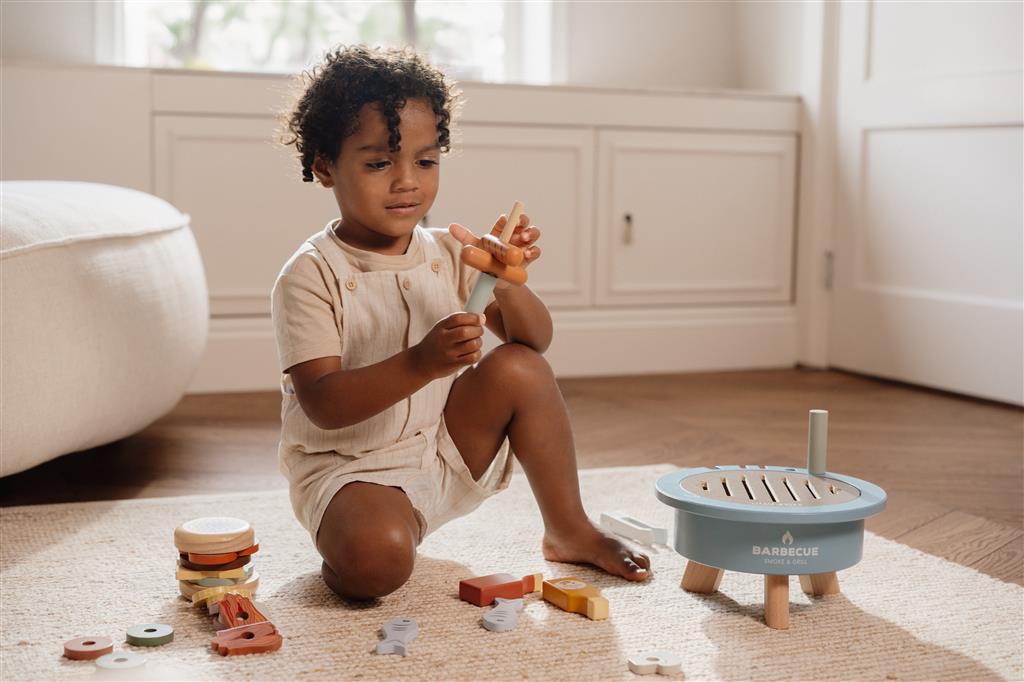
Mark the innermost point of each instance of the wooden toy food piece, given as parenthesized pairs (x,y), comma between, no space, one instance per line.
(150,634)
(397,635)
(575,596)
(504,252)
(247,589)
(650,662)
(230,574)
(87,648)
(628,527)
(484,286)
(256,638)
(218,559)
(183,561)
(236,610)
(483,590)
(214,535)
(122,660)
(504,616)
(476,257)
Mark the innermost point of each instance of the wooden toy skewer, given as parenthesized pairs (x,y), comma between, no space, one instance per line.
(485,285)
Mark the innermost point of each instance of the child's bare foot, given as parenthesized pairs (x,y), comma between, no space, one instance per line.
(592,546)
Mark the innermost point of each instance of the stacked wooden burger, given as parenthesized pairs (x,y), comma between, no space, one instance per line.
(215,559)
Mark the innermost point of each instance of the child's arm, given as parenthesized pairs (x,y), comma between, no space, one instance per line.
(518,315)
(334,398)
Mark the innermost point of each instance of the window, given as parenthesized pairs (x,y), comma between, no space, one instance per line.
(489,40)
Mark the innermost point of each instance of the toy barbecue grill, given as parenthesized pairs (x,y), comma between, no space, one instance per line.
(776,521)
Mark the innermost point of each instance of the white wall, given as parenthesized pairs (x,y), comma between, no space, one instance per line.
(55,31)
(768,42)
(650,44)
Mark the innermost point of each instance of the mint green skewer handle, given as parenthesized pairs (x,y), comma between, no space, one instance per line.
(481,293)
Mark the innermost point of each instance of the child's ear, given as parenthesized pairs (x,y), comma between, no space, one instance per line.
(322,171)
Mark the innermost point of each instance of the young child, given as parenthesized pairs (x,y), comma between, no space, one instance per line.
(392,422)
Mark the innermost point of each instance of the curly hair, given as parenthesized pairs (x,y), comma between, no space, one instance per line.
(335,91)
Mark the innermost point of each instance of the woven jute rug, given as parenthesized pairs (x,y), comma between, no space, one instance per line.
(99,568)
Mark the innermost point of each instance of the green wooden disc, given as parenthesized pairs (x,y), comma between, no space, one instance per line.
(150,634)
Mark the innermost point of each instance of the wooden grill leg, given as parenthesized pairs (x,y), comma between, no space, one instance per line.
(700,578)
(776,601)
(820,584)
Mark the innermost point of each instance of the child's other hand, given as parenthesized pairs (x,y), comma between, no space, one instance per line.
(453,343)
(524,236)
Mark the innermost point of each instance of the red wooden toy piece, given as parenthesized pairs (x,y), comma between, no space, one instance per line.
(236,610)
(247,639)
(483,590)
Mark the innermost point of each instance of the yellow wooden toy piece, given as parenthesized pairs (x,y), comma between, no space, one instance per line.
(575,596)
(215,594)
(188,574)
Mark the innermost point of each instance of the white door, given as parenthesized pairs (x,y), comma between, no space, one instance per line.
(928,254)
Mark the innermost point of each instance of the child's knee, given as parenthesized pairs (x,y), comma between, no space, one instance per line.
(371,563)
(513,365)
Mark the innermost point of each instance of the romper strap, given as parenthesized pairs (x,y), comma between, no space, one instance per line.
(336,260)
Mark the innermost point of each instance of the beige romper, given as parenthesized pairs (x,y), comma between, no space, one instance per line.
(373,315)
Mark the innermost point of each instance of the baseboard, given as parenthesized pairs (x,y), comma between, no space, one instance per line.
(241,354)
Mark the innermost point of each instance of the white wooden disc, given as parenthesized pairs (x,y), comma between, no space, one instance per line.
(214,535)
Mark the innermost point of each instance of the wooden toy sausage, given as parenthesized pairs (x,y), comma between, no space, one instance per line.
(506,253)
(476,257)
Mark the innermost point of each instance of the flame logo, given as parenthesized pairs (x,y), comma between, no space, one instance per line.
(787,539)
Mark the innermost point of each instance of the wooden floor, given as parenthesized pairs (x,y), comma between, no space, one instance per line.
(952,466)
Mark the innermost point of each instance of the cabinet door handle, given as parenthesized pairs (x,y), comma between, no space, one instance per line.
(627,234)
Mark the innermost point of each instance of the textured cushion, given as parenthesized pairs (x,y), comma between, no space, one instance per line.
(104,316)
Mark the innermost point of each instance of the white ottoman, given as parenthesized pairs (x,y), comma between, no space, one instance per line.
(103,316)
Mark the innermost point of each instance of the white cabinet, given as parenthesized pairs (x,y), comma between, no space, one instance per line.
(250,209)
(694,218)
(551,171)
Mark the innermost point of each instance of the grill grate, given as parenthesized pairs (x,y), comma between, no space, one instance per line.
(753,485)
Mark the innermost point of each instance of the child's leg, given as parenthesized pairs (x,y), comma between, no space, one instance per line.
(368,540)
(513,391)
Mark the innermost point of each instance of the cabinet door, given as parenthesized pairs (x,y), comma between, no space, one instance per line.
(694,218)
(551,171)
(250,209)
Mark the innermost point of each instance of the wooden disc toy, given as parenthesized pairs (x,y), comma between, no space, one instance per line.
(230,574)
(214,535)
(122,660)
(87,648)
(149,634)
(773,521)
(576,596)
(184,562)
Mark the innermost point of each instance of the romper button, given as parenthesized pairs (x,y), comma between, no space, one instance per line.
(407,284)
(435,266)
(350,285)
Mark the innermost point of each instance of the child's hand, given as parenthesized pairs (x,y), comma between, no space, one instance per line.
(454,342)
(524,236)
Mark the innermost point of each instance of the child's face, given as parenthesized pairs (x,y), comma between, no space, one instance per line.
(382,194)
